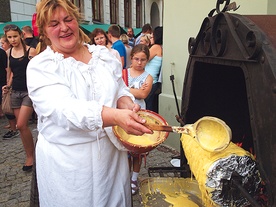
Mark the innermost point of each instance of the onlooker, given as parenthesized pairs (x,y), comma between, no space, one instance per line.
(124,38)
(13,132)
(117,44)
(3,76)
(28,37)
(5,43)
(18,59)
(140,83)
(146,29)
(99,37)
(131,38)
(146,40)
(78,95)
(154,68)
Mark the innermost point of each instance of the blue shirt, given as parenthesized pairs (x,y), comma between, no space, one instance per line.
(131,41)
(120,47)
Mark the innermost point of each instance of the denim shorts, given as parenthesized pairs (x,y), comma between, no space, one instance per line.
(20,98)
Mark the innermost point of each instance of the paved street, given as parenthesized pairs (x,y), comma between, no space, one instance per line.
(15,184)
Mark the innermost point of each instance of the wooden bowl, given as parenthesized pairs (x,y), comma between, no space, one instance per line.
(146,142)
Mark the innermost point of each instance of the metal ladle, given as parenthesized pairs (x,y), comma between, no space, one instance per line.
(211,133)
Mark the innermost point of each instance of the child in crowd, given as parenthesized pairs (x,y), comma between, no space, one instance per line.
(140,83)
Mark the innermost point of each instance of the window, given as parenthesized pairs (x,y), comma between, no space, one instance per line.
(79,4)
(138,13)
(128,12)
(113,11)
(97,10)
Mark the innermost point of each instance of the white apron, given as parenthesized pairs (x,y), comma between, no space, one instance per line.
(79,164)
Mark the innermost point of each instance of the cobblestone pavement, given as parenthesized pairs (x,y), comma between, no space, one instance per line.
(15,184)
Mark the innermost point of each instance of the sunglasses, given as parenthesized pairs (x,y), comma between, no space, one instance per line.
(9,27)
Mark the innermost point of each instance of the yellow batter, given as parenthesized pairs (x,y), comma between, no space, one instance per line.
(201,160)
(180,200)
(170,192)
(145,140)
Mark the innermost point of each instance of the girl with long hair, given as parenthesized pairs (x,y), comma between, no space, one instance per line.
(18,58)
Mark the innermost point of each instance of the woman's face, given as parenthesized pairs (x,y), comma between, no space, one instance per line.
(13,37)
(100,39)
(5,45)
(63,31)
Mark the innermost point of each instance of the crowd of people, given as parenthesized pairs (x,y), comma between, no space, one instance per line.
(73,84)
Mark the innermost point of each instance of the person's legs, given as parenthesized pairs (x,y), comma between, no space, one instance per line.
(22,107)
(2,115)
(135,173)
(34,196)
(12,127)
(23,115)
(12,121)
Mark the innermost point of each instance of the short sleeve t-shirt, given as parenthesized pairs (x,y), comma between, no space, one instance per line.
(120,47)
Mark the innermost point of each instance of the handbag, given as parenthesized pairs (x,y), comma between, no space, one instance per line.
(6,103)
(125,76)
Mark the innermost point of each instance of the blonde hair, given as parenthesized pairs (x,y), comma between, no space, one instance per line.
(45,10)
(124,38)
(146,37)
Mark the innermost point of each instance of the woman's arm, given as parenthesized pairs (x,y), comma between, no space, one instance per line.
(32,53)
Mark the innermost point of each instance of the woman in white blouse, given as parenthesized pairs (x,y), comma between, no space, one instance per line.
(78,95)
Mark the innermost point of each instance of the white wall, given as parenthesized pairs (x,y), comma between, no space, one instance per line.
(22,10)
(272,7)
(182,20)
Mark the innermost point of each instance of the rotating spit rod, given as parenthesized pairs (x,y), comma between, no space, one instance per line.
(233,189)
(214,172)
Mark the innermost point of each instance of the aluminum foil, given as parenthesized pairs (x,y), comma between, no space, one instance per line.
(220,174)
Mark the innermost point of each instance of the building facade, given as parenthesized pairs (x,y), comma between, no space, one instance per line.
(126,13)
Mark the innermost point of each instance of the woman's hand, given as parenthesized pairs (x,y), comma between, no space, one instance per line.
(127,119)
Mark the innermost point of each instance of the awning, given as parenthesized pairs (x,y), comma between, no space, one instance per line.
(137,31)
(87,28)
(20,24)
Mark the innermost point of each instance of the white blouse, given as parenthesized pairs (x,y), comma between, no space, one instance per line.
(76,93)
